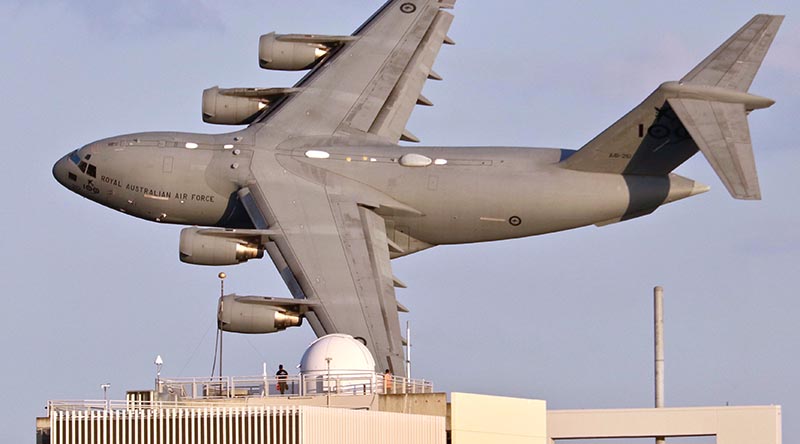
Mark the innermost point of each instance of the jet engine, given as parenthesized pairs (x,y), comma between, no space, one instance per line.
(209,246)
(226,109)
(295,52)
(238,106)
(254,315)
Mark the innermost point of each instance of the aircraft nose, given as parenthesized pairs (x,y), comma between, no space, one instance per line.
(60,171)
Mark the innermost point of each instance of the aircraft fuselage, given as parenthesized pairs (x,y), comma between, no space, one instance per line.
(468,194)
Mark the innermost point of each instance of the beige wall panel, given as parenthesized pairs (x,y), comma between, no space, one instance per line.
(730,425)
(487,419)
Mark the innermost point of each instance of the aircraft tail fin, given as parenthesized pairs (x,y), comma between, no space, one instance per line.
(705,111)
(734,64)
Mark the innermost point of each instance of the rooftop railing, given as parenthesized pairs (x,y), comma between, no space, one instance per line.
(210,391)
(320,383)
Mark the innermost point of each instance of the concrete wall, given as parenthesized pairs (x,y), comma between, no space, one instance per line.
(433,404)
(480,419)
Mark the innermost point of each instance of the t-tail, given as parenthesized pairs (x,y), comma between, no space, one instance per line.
(706,111)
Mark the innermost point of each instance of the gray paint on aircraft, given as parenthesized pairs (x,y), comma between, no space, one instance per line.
(331,219)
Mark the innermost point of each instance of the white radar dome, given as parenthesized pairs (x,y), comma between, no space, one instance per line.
(338,363)
(346,354)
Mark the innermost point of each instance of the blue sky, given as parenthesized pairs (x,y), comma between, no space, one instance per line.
(93,296)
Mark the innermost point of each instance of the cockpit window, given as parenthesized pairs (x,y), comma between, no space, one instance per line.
(91,171)
(82,166)
(87,157)
(73,156)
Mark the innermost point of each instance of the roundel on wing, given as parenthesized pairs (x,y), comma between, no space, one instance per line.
(408,8)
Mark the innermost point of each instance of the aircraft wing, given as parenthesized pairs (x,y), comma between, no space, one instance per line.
(370,84)
(326,238)
(334,252)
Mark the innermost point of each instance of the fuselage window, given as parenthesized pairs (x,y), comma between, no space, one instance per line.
(91,170)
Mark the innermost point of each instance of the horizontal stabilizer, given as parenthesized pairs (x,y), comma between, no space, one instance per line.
(721,132)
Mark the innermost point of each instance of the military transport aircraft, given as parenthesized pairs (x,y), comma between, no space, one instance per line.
(318,181)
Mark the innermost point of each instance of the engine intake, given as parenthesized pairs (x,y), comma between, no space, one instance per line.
(209,246)
(251,316)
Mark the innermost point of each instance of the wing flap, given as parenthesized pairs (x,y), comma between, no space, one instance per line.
(379,282)
(390,122)
(721,132)
(372,99)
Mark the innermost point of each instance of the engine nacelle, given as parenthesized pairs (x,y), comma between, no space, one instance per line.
(289,52)
(208,246)
(224,108)
(239,315)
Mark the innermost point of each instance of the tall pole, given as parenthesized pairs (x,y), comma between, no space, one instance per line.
(408,350)
(658,312)
(221,277)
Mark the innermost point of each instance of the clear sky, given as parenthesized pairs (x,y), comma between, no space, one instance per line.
(93,296)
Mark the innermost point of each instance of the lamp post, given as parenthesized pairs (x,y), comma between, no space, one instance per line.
(105,388)
(328,383)
(222,277)
(158,362)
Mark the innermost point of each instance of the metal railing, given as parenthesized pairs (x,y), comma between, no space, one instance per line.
(211,391)
(319,383)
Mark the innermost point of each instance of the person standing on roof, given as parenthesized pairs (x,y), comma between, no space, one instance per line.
(282,374)
(387,381)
